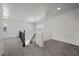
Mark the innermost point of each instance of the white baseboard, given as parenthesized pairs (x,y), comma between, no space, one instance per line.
(10,37)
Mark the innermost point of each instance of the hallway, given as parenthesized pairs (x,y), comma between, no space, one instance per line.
(13,47)
(53,28)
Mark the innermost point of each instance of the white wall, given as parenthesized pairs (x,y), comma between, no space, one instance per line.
(1,40)
(42,34)
(13,28)
(64,27)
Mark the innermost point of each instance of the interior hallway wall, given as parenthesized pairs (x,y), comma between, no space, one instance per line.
(1,31)
(65,27)
(13,28)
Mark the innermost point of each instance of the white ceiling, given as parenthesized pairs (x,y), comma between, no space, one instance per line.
(34,12)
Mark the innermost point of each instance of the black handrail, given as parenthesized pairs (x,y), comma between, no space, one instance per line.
(33,37)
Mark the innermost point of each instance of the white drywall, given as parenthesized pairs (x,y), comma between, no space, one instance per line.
(1,40)
(64,27)
(13,28)
(1,37)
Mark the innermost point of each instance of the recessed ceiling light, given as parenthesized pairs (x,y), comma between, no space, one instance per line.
(58,8)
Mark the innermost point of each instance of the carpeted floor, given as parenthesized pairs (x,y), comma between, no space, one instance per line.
(13,47)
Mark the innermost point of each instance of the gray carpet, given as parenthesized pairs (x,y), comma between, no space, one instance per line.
(13,47)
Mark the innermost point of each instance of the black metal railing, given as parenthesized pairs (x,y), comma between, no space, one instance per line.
(33,38)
